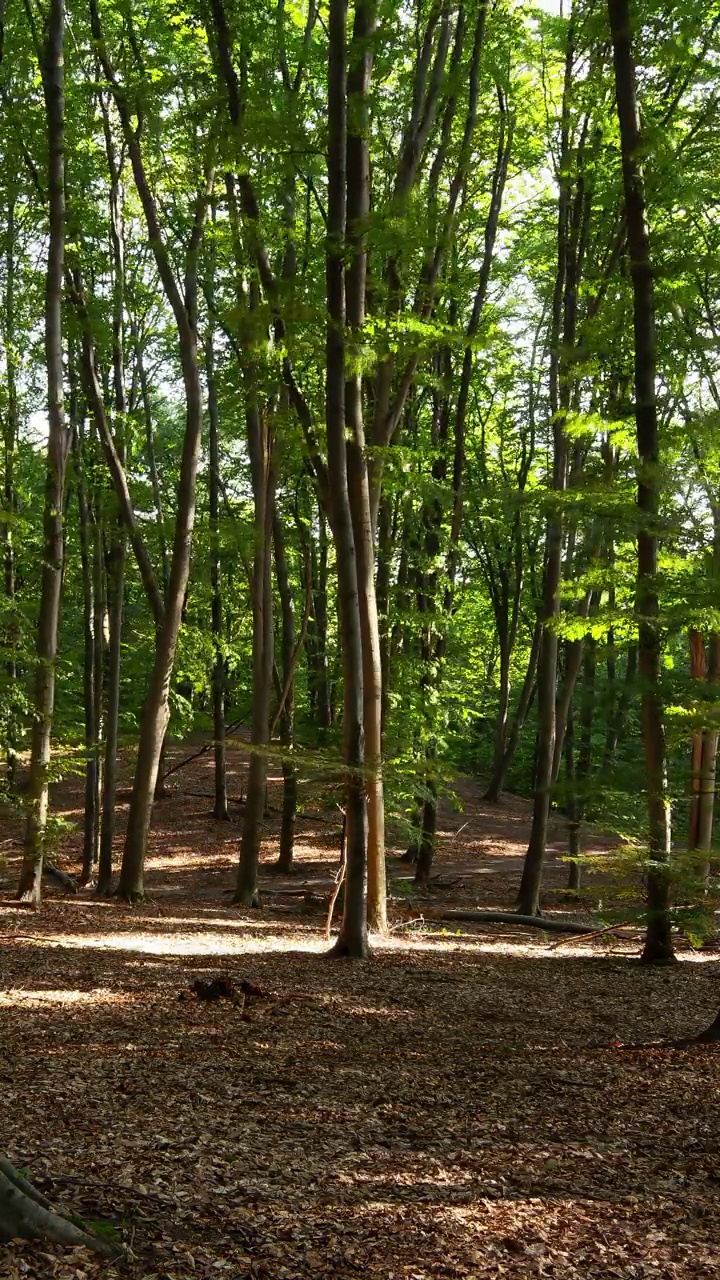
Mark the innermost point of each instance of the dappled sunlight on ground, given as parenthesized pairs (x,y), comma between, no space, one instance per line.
(458,1106)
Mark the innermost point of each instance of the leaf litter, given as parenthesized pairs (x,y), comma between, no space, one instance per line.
(455,1107)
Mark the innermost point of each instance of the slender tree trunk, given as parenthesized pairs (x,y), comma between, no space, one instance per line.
(90,701)
(703,761)
(10,442)
(658,941)
(117,550)
(115,574)
(617,714)
(220,810)
(289,800)
(156,711)
(527,693)
(357,213)
(501,725)
(579,769)
(320,615)
(529,895)
(352,939)
(260,449)
(698,671)
(382,591)
(29,889)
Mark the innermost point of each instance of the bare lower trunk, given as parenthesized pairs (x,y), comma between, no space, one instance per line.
(287,717)
(563,326)
(115,571)
(658,941)
(169,613)
(501,723)
(428,831)
(220,810)
(260,449)
(527,693)
(358,209)
(352,938)
(29,889)
(90,817)
(10,430)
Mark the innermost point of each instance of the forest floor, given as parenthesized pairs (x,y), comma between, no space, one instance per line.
(460,1105)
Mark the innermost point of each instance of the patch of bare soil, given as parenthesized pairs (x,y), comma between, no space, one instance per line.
(456,1106)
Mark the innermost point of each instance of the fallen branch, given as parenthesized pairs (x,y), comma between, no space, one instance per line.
(511,917)
(610,928)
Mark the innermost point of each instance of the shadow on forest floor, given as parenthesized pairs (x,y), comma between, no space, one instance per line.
(455,1106)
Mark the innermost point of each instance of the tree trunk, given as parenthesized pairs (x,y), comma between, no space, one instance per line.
(529,895)
(87,557)
(320,615)
(703,761)
(698,671)
(352,938)
(29,889)
(357,213)
(287,715)
(116,555)
(10,431)
(220,810)
(156,711)
(260,449)
(658,941)
(501,725)
(527,693)
(428,831)
(183,304)
(579,772)
(115,573)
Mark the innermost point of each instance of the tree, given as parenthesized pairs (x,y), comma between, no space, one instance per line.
(658,941)
(53,81)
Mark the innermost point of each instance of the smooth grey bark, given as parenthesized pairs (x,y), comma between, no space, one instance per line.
(562,326)
(29,889)
(359,72)
(352,938)
(287,714)
(658,947)
(117,550)
(10,430)
(260,447)
(90,665)
(220,810)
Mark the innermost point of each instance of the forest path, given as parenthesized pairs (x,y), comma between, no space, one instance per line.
(457,1106)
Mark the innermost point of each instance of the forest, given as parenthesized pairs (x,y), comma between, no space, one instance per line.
(360,602)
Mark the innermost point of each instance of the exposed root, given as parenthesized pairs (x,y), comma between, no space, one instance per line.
(26,1213)
(248,898)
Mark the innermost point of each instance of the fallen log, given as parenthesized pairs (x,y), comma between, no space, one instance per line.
(61,878)
(548,923)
